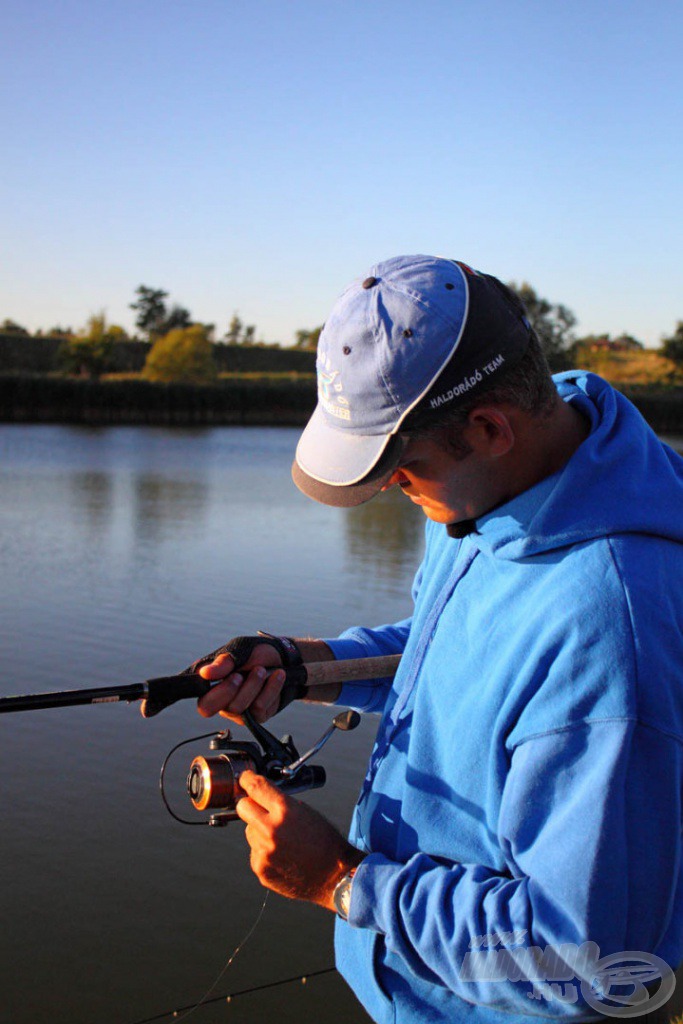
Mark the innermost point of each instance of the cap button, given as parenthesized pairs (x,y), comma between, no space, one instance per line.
(369,282)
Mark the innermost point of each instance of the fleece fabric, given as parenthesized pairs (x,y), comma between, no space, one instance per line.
(523,797)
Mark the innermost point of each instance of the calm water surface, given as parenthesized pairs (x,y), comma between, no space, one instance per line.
(124,554)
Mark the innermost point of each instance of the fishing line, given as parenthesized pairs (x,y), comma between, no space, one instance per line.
(230,959)
(229,996)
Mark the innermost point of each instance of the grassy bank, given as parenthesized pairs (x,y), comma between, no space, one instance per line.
(232,401)
(259,400)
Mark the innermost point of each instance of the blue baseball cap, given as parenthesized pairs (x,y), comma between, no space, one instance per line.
(417,333)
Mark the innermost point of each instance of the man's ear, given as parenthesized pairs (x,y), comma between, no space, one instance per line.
(490,431)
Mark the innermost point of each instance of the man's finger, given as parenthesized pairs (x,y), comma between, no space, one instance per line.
(249,690)
(262,792)
(251,812)
(219,668)
(219,696)
(268,700)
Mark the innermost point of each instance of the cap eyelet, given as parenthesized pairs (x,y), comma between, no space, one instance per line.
(369,282)
(407,333)
(450,286)
(346,350)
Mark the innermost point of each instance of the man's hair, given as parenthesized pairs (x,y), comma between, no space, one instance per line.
(527,386)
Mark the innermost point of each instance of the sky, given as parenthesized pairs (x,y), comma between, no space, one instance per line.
(254,156)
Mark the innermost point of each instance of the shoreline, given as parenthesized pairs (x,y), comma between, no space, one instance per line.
(236,401)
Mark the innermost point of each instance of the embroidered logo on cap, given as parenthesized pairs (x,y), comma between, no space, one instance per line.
(330,390)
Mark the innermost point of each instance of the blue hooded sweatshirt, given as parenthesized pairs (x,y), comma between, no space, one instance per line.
(523,799)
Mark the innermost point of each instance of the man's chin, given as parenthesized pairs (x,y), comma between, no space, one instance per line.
(461,529)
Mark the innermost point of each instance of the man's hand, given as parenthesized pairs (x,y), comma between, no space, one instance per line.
(294,850)
(254,686)
(251,687)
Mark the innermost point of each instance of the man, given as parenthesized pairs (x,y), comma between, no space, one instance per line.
(524,793)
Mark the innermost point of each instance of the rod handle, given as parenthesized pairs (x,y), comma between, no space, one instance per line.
(166,690)
(318,673)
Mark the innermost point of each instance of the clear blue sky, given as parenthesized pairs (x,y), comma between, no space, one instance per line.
(256,155)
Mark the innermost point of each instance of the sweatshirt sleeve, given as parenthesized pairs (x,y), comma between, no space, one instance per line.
(588,829)
(360,642)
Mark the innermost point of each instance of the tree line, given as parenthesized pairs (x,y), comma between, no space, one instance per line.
(182,348)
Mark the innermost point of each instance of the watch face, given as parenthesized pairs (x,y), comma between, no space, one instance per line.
(342,896)
(345,897)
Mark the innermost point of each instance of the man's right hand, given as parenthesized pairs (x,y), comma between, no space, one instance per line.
(256,686)
(248,675)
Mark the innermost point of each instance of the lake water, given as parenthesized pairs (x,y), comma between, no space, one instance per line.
(125,554)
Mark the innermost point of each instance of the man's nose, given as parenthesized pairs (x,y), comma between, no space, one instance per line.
(397,477)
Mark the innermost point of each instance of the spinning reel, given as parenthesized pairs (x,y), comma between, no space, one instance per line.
(213,781)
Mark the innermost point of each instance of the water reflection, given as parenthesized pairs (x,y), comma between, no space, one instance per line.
(92,492)
(163,506)
(385,534)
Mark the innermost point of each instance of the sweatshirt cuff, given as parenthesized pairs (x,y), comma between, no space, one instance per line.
(361,694)
(347,647)
(373,879)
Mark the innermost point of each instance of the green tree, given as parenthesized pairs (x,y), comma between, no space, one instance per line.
(117,333)
(233,335)
(176,317)
(184,354)
(10,327)
(151,310)
(307,340)
(672,347)
(57,332)
(88,353)
(552,322)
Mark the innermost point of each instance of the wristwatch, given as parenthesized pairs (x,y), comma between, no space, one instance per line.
(341,897)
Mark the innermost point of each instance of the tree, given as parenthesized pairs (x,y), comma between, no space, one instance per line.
(307,340)
(151,310)
(154,317)
(239,333)
(552,322)
(178,316)
(10,327)
(184,354)
(117,333)
(88,353)
(234,331)
(57,332)
(672,347)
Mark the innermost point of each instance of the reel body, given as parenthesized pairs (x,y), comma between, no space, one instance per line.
(213,781)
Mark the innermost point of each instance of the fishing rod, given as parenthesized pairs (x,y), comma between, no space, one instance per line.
(213,781)
(159,693)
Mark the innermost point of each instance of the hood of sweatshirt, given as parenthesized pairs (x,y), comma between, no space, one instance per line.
(621,479)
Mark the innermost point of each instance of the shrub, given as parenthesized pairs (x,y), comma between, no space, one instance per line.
(185,354)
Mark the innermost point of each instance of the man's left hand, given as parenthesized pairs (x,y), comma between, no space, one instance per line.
(294,850)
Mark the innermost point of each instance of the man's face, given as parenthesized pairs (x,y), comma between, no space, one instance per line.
(448,487)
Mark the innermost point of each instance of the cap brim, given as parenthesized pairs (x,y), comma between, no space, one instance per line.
(352,452)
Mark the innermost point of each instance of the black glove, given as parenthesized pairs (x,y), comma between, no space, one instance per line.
(167,690)
(241,648)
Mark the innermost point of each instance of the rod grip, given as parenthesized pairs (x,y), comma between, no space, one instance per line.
(320,673)
(166,690)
